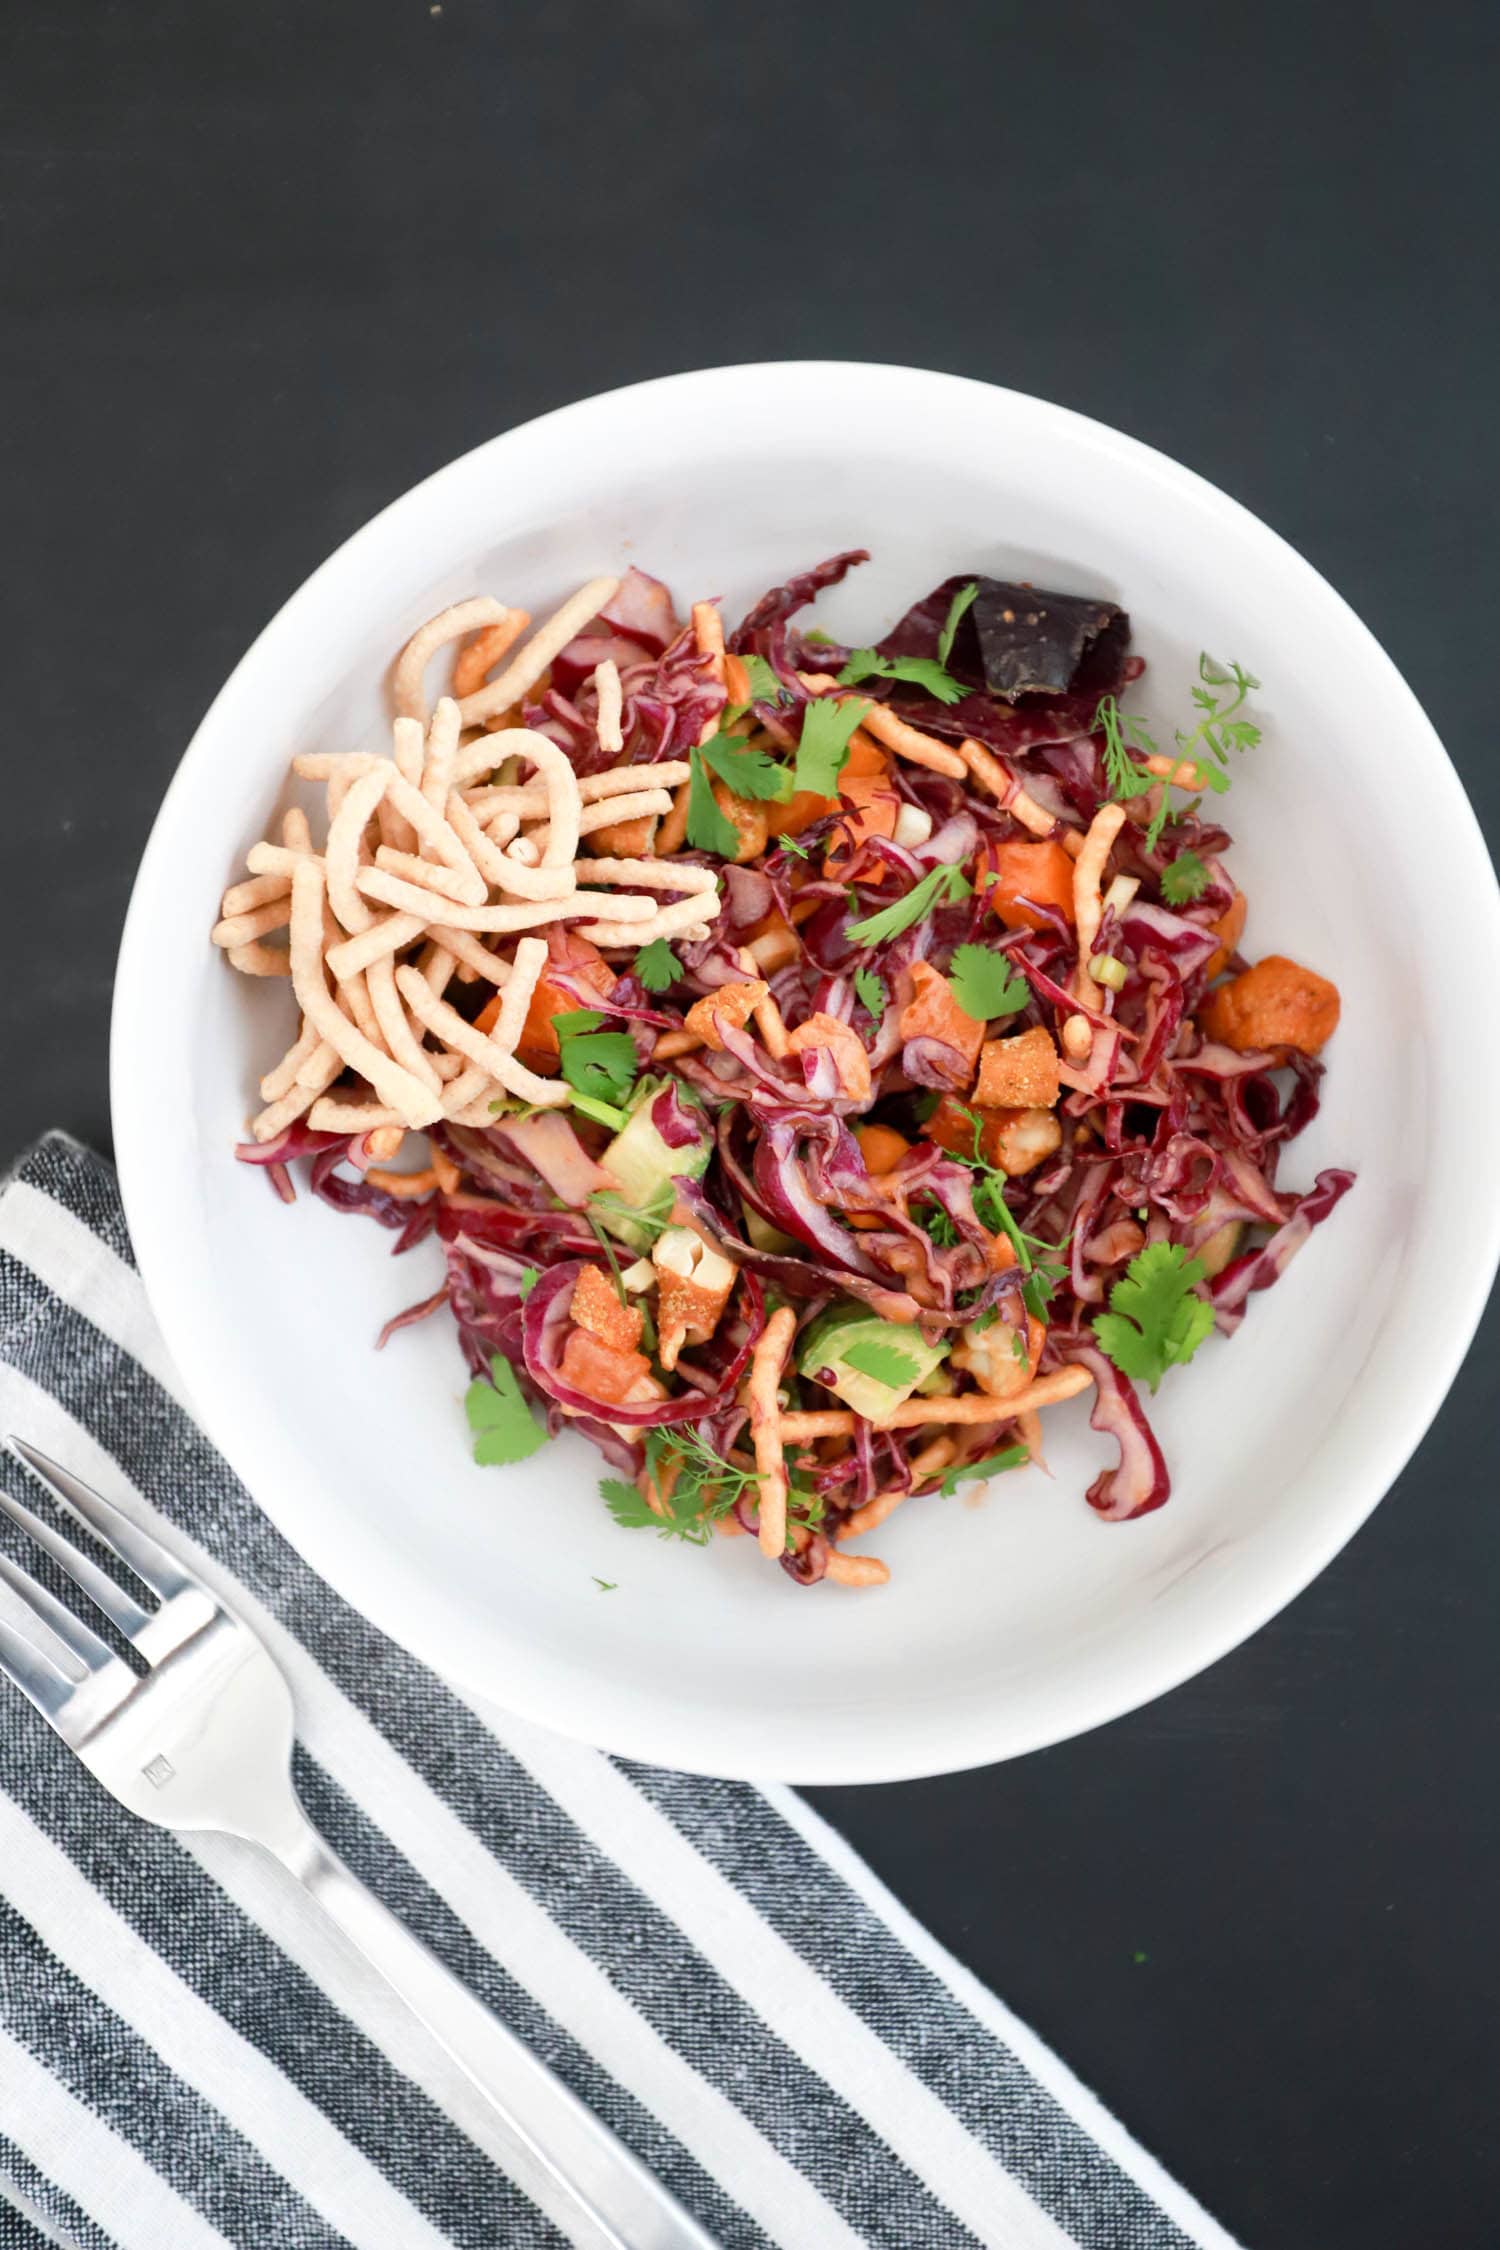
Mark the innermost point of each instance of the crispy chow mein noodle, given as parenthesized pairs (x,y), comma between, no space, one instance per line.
(816,1063)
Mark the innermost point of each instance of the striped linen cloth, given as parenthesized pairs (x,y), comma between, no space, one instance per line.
(190,2058)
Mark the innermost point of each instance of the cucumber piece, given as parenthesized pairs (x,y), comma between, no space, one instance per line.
(643,1168)
(870,1363)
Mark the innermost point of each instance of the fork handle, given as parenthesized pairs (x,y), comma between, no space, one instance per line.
(583,2178)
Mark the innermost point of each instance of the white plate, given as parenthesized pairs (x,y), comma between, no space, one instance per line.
(1008,1625)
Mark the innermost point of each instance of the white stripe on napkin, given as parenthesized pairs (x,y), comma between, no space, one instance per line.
(103,2174)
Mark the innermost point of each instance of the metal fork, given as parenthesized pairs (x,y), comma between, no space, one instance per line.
(203,1741)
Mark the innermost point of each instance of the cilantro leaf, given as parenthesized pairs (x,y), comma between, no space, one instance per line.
(504,1426)
(657,966)
(600,1065)
(870,991)
(627,1505)
(827,723)
(1156,1320)
(921,671)
(958,609)
(943,885)
(884,1363)
(529,1280)
(1184,880)
(1014,1457)
(707,828)
(749,773)
(765,687)
(985,985)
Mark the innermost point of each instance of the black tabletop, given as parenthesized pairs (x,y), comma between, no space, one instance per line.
(266,266)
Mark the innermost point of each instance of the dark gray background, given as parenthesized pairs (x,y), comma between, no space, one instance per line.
(266,266)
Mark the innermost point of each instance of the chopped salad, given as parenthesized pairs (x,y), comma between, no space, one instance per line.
(814,1060)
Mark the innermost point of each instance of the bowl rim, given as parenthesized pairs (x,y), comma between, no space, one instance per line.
(959,1741)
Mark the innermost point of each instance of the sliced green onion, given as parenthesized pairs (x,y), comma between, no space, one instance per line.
(603,1113)
(1106,970)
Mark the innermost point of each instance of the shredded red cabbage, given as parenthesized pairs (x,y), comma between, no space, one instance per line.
(1159,1135)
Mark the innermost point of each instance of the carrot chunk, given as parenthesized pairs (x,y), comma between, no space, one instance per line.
(1278,1003)
(932,1012)
(1028,876)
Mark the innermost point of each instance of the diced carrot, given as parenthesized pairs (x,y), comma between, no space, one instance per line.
(876,806)
(593,1368)
(538,1045)
(881,1146)
(1028,876)
(932,1012)
(1276,1004)
(1228,929)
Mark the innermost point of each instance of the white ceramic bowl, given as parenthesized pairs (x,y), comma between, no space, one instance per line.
(1005,1626)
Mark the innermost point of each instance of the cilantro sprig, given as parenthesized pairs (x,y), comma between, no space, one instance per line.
(920,671)
(749,773)
(600,1066)
(1042,1263)
(1218,732)
(706,1487)
(823,746)
(1156,1319)
(504,1427)
(657,966)
(945,885)
(985,985)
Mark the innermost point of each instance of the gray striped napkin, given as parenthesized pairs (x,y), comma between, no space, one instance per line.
(189,2058)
